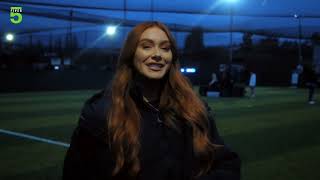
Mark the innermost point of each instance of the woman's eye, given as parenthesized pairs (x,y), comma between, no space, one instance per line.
(145,46)
(166,48)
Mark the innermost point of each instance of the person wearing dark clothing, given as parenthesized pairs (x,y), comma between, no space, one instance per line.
(226,84)
(149,124)
(311,83)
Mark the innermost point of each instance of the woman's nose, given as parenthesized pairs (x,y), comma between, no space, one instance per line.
(157,55)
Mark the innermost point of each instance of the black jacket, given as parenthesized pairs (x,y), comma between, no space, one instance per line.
(165,153)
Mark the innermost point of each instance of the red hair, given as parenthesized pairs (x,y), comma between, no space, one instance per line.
(177,99)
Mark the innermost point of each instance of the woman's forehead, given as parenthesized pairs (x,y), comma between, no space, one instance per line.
(154,34)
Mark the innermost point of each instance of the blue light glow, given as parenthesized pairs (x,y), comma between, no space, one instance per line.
(9,37)
(191,70)
(232,1)
(111,30)
(188,70)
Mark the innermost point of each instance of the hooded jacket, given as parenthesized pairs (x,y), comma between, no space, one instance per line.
(165,153)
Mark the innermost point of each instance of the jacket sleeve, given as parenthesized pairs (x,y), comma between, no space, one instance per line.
(226,164)
(88,156)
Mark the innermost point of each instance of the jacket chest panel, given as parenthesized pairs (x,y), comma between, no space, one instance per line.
(157,139)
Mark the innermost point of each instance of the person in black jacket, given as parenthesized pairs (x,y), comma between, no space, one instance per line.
(149,124)
(311,80)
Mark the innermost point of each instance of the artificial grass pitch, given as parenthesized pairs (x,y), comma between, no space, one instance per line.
(276,134)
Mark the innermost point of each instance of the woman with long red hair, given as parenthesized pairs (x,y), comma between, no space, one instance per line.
(149,124)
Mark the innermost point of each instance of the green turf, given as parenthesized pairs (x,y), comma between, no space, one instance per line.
(276,134)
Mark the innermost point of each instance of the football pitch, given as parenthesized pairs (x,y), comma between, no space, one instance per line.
(276,133)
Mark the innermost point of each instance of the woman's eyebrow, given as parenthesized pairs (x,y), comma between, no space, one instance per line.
(145,40)
(165,42)
(151,41)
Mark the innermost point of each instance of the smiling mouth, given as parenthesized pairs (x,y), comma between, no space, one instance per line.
(155,66)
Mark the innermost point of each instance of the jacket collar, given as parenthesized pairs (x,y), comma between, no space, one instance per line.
(135,91)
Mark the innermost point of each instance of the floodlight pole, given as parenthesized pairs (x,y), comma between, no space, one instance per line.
(299,44)
(70,36)
(152,10)
(30,40)
(85,39)
(50,43)
(124,19)
(175,31)
(231,35)
(124,10)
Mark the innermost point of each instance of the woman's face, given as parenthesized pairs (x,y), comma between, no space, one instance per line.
(153,55)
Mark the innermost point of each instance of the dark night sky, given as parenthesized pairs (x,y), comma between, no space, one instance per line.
(272,16)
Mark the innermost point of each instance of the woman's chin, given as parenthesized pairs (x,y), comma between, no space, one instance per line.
(155,76)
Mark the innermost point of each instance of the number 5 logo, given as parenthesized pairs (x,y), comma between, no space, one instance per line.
(15,15)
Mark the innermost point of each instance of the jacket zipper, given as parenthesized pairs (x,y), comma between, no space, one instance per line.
(157,110)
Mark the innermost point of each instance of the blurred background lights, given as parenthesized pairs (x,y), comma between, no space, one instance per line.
(111,30)
(191,70)
(188,70)
(10,37)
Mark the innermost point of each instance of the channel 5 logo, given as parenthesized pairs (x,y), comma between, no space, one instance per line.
(15,15)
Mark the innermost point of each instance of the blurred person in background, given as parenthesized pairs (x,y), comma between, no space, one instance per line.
(148,124)
(213,84)
(311,83)
(294,79)
(252,84)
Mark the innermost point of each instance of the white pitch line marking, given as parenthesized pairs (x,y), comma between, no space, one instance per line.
(35,138)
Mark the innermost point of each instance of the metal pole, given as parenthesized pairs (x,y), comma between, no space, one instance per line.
(152,10)
(175,32)
(231,40)
(299,43)
(30,40)
(71,43)
(50,43)
(124,9)
(124,19)
(85,39)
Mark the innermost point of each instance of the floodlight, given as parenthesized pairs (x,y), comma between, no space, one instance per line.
(10,37)
(111,30)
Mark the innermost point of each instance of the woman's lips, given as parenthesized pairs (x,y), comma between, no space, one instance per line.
(155,66)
